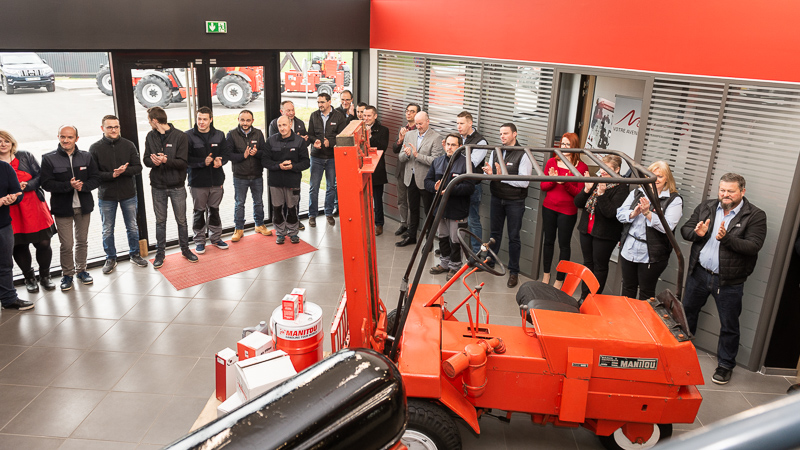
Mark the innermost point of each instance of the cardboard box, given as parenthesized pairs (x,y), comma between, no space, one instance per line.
(291,307)
(226,374)
(255,344)
(301,295)
(236,400)
(257,375)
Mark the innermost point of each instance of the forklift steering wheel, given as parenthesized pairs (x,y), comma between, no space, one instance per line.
(464,235)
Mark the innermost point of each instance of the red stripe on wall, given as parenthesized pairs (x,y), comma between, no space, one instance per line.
(733,38)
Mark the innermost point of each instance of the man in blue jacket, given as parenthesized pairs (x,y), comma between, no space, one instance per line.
(285,157)
(70,175)
(207,155)
(456,211)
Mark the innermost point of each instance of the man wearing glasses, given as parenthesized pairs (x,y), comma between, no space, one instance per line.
(117,162)
(402,194)
(323,127)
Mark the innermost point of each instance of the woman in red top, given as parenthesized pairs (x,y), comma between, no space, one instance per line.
(559,212)
(30,219)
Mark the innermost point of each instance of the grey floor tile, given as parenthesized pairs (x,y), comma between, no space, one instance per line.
(96,370)
(249,314)
(39,366)
(156,374)
(134,283)
(269,290)
(287,270)
(225,288)
(9,352)
(251,274)
(76,332)
(324,273)
(129,336)
(122,417)
(491,434)
(85,444)
(745,381)
(108,306)
(323,294)
(166,289)
(184,340)
(13,442)
(206,312)
(55,412)
(157,309)
(14,399)
(586,440)
(62,305)
(201,381)
(757,399)
(6,315)
(718,405)
(175,420)
(25,329)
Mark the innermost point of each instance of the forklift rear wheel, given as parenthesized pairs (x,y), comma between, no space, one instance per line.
(233,91)
(618,440)
(153,91)
(430,428)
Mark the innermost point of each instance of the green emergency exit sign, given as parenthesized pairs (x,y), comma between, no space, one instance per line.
(216,26)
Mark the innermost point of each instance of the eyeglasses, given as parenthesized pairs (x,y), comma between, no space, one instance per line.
(113,128)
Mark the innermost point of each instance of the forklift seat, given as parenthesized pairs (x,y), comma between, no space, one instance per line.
(538,295)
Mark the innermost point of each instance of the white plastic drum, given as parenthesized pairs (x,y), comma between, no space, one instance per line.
(301,338)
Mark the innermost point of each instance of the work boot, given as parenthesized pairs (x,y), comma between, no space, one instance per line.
(437,269)
(238,234)
(513,279)
(378,230)
(312,222)
(30,281)
(47,282)
(262,230)
(331,220)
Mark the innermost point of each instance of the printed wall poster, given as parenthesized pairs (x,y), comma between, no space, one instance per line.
(600,128)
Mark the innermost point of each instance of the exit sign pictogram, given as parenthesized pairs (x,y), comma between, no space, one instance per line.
(216,26)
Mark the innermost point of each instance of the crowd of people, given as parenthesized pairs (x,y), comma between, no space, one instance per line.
(726,232)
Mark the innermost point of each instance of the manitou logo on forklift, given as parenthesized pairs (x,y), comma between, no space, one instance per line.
(554,366)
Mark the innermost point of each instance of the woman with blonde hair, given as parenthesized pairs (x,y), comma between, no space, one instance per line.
(30,219)
(645,246)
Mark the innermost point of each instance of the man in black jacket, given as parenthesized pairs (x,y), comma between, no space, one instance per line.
(166,151)
(118,163)
(726,234)
(244,148)
(70,175)
(207,155)
(299,127)
(378,138)
(285,157)
(471,136)
(456,210)
(346,106)
(323,127)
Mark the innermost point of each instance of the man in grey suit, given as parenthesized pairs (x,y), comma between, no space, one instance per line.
(420,148)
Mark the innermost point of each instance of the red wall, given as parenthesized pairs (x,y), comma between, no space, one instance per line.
(733,38)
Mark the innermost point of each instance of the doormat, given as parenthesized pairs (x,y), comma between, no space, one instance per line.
(250,252)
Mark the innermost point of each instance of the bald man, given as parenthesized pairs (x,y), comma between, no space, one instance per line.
(420,147)
(285,158)
(70,175)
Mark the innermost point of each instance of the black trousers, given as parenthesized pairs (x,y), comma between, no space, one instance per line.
(415,195)
(641,276)
(596,255)
(554,222)
(377,201)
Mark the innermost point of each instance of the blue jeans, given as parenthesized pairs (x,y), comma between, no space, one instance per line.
(8,294)
(475,216)
(108,215)
(512,210)
(318,166)
(240,187)
(699,286)
(178,198)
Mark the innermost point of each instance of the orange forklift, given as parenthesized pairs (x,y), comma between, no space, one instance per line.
(623,368)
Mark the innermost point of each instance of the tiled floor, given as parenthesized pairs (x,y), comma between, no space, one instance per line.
(127,363)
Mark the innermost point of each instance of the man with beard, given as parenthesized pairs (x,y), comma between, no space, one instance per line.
(323,127)
(726,234)
(379,138)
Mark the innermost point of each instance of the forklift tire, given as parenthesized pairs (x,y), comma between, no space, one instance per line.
(103,79)
(430,427)
(390,318)
(153,91)
(234,91)
(618,441)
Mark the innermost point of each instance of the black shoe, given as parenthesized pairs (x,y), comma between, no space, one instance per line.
(85,277)
(47,282)
(437,252)
(139,261)
(722,375)
(191,257)
(408,240)
(66,283)
(295,239)
(108,267)
(301,227)
(401,230)
(19,304)
(30,282)
(437,269)
(159,261)
(513,279)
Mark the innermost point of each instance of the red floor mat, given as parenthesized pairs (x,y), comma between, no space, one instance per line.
(251,251)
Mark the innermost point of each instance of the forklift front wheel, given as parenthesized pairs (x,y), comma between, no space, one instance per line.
(430,427)
(618,441)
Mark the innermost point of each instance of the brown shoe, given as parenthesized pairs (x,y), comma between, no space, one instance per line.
(237,234)
(378,230)
(437,269)
(513,279)
(312,222)
(331,220)
(262,229)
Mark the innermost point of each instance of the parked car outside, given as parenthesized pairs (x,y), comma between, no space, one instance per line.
(25,70)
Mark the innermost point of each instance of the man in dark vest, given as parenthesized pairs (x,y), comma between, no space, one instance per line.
(508,199)
(298,126)
(470,136)
(323,127)
(726,234)
(379,138)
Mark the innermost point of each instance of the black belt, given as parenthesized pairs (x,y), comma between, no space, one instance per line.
(709,271)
